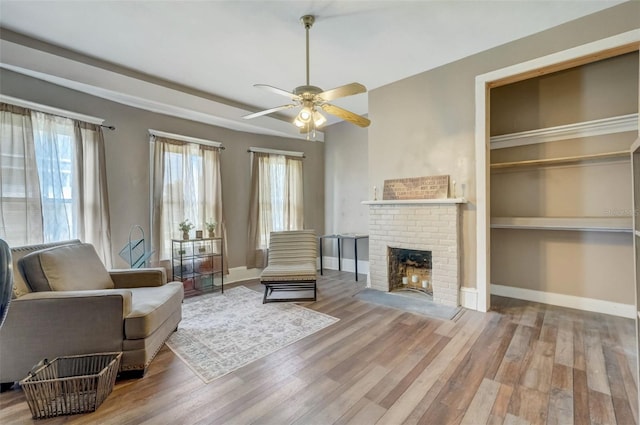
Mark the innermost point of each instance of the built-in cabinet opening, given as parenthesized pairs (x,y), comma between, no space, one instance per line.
(560,177)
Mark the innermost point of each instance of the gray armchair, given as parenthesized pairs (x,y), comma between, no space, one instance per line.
(66,303)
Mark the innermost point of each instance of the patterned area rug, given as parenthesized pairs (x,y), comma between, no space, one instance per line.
(220,333)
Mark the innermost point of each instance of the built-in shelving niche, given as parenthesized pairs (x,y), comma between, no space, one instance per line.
(561,219)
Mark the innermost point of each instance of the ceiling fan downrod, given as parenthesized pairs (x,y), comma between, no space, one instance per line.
(307,21)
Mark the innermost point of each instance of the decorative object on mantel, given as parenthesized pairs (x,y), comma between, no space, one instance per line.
(429,187)
(185,227)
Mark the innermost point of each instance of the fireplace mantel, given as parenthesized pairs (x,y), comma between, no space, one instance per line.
(417,201)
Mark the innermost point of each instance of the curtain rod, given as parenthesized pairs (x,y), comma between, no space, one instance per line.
(54,111)
(276,152)
(182,138)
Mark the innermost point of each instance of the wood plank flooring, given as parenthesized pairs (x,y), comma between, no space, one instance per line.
(522,363)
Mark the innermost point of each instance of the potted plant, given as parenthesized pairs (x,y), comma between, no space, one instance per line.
(185,226)
(211,227)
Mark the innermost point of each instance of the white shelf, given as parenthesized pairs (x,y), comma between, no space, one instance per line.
(588,224)
(563,160)
(619,124)
(417,201)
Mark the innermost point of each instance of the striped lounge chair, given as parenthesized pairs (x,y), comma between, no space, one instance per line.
(291,265)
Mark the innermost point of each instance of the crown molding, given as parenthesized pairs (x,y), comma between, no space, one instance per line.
(135,92)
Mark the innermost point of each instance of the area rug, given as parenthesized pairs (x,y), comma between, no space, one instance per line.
(408,302)
(220,333)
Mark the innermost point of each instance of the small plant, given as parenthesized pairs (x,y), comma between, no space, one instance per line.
(185,226)
(211,225)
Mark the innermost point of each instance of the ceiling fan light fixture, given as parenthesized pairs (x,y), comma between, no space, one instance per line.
(304,117)
(305,114)
(318,119)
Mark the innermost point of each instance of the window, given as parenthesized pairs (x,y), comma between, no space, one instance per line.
(53,180)
(186,186)
(277,202)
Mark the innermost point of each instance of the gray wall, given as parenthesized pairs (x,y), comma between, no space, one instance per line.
(346,186)
(127,152)
(424,125)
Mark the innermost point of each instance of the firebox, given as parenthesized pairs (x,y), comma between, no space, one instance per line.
(409,269)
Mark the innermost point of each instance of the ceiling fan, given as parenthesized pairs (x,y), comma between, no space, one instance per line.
(311,99)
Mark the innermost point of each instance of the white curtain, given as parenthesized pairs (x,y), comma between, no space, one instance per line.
(56,173)
(93,207)
(20,203)
(186,185)
(276,202)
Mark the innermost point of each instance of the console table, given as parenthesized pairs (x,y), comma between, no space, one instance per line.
(339,237)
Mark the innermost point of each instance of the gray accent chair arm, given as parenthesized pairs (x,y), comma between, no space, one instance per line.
(138,278)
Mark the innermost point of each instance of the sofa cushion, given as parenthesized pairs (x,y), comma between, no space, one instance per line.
(65,268)
(151,307)
(20,287)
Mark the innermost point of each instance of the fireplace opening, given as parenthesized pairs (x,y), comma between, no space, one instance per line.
(409,270)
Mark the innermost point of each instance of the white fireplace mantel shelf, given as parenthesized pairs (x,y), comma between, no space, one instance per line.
(417,201)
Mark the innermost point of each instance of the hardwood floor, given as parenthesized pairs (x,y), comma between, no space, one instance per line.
(523,363)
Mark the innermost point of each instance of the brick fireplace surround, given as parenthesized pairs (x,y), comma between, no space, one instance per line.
(421,224)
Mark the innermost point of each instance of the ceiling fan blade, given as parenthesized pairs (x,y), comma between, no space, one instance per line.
(342,91)
(276,90)
(268,111)
(346,115)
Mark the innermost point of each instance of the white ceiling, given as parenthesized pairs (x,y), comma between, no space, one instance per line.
(224,47)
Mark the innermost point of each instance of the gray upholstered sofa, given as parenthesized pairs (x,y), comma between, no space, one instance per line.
(66,302)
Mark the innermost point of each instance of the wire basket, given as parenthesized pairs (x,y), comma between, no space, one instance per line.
(71,384)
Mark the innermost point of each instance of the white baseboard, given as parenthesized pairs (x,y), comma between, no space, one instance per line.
(469,298)
(239,274)
(348,265)
(570,301)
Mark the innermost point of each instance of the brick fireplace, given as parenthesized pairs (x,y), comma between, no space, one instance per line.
(423,225)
